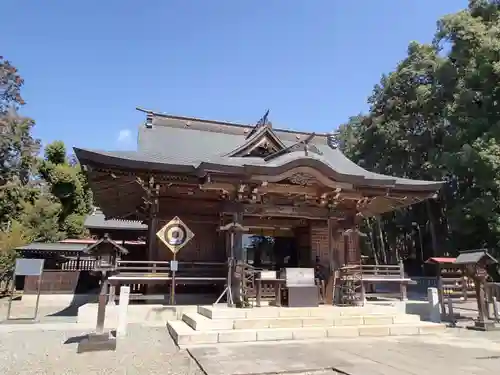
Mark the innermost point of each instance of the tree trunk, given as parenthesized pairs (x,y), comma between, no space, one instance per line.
(432,227)
(381,238)
(372,238)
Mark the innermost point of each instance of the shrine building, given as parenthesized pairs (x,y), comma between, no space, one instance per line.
(295,187)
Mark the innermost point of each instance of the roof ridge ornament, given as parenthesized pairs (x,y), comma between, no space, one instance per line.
(260,124)
(149,120)
(333,139)
(300,145)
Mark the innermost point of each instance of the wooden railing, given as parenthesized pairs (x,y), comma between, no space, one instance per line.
(85,264)
(139,274)
(143,267)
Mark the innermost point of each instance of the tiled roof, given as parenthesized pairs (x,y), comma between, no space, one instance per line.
(97,220)
(52,247)
(185,145)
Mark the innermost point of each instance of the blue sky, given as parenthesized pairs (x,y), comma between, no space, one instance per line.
(88,64)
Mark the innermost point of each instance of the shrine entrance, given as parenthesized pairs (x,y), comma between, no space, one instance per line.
(271,249)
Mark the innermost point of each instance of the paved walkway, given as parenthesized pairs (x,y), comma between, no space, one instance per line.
(50,348)
(41,350)
(459,352)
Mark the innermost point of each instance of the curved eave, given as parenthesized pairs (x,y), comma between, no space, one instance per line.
(251,167)
(128,160)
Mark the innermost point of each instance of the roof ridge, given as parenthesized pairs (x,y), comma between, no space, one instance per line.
(219,122)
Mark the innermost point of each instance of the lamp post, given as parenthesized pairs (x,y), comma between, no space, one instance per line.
(421,246)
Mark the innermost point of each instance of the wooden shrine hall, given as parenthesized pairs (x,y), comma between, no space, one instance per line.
(294,187)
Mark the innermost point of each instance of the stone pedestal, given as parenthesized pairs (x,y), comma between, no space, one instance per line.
(97,342)
(123,311)
(302,296)
(484,326)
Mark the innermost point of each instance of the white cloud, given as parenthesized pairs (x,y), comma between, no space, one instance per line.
(124,136)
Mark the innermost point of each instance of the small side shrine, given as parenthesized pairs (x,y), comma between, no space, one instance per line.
(107,253)
(475,263)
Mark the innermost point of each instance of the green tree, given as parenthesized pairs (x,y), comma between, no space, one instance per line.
(10,239)
(436,117)
(68,185)
(10,86)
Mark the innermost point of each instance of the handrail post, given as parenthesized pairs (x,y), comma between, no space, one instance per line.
(403,287)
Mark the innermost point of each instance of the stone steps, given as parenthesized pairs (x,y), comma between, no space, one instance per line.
(223,312)
(184,335)
(199,322)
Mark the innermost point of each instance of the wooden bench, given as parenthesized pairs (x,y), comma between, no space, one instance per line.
(379,274)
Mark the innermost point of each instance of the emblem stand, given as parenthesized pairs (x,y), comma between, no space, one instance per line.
(174,235)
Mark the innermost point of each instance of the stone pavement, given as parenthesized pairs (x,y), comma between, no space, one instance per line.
(50,348)
(46,312)
(456,352)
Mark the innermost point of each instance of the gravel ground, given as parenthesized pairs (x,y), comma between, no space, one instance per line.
(145,351)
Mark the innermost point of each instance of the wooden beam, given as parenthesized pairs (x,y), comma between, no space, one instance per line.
(265,187)
(276,211)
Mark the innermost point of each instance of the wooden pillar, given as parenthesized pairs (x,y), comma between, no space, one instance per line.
(153,221)
(237,249)
(153,195)
(330,283)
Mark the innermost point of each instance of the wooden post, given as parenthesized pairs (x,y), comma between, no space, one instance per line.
(237,243)
(480,299)
(153,221)
(330,285)
(101,307)
(441,289)
(402,286)
(154,192)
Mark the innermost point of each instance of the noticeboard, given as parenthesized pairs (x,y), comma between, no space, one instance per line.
(29,267)
(268,275)
(295,277)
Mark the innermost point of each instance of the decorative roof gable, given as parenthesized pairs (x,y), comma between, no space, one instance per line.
(261,141)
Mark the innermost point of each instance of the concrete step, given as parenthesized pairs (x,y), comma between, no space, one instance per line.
(144,314)
(184,335)
(224,312)
(201,323)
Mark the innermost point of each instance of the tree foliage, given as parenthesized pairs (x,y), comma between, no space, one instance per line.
(41,199)
(68,186)
(437,117)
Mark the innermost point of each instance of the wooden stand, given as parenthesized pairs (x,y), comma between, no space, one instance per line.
(99,340)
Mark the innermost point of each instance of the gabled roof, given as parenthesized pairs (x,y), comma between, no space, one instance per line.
(474,257)
(263,136)
(193,146)
(94,248)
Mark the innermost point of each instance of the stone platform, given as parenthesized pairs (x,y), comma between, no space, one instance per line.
(152,315)
(220,324)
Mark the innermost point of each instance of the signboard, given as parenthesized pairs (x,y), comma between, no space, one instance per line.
(175,235)
(174,266)
(268,275)
(299,277)
(29,267)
